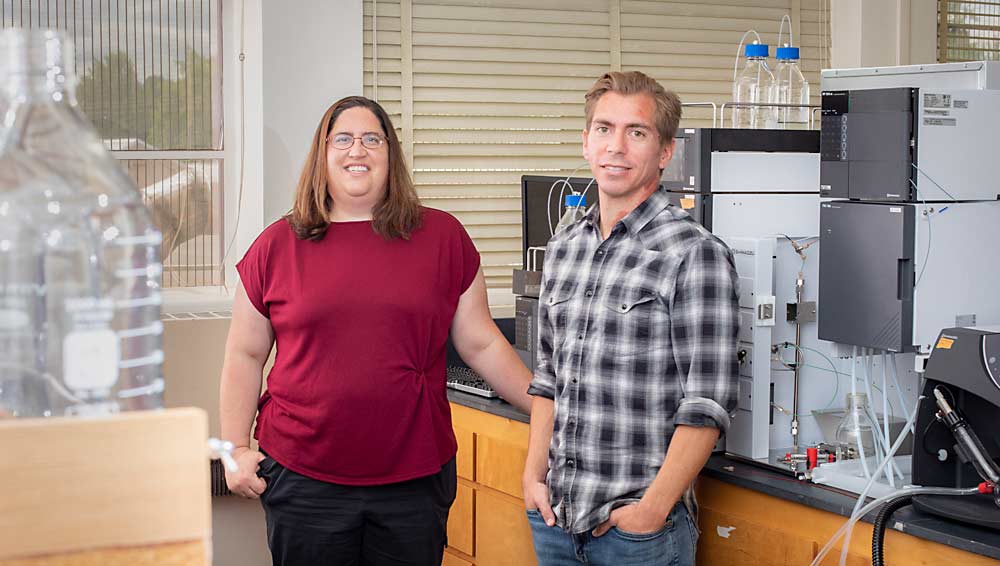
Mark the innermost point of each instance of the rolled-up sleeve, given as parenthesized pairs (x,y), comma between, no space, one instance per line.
(543,384)
(704,331)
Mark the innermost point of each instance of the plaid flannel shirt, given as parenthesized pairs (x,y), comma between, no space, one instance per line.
(637,334)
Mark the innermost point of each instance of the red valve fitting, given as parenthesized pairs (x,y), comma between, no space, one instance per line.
(812,456)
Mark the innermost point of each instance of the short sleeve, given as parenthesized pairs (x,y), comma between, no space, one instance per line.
(253,273)
(470,259)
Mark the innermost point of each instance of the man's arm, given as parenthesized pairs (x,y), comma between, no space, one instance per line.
(689,449)
(543,390)
(536,467)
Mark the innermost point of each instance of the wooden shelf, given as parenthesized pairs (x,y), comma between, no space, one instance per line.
(127,489)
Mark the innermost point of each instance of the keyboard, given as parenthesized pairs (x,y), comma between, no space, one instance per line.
(467,380)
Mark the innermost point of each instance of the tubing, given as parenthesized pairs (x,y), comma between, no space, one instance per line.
(871,482)
(857,425)
(864,493)
(885,421)
(849,524)
(881,520)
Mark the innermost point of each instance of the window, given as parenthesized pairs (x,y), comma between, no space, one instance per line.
(968,31)
(150,80)
(484,91)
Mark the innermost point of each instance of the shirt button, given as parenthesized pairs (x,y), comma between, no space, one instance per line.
(570,463)
(579,336)
(589,293)
(600,252)
(574,380)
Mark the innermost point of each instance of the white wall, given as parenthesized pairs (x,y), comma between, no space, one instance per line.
(298,58)
(874,33)
(312,58)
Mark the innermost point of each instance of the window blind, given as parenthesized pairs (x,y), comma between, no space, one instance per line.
(484,91)
(968,31)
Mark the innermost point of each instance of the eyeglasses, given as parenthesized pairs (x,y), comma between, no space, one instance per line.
(370,140)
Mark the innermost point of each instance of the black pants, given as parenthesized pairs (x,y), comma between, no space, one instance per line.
(316,523)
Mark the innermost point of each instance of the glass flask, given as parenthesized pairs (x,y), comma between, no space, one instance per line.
(792,88)
(857,423)
(80,329)
(576,209)
(755,85)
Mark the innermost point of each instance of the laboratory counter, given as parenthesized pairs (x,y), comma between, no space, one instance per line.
(798,516)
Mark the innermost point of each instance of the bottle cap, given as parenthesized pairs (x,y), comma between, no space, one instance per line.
(576,200)
(756,50)
(787,53)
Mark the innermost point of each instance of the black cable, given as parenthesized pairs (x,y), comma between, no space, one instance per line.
(923,437)
(881,520)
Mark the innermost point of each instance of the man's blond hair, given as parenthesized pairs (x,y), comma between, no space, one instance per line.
(668,106)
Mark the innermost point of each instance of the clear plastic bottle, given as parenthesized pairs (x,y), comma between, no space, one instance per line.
(857,423)
(80,264)
(754,85)
(46,251)
(22,244)
(576,208)
(792,88)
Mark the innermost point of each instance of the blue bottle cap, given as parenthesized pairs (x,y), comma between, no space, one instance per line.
(576,200)
(787,53)
(756,50)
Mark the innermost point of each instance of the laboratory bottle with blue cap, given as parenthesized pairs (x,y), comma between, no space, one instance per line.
(576,208)
(753,88)
(792,88)
(80,271)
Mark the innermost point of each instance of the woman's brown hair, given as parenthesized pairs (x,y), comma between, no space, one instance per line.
(397,216)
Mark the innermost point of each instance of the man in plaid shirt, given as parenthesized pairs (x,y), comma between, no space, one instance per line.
(637,368)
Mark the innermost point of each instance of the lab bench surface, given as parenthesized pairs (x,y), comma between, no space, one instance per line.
(957,535)
(750,515)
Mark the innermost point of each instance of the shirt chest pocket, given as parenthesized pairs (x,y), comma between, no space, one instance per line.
(558,305)
(635,322)
(625,303)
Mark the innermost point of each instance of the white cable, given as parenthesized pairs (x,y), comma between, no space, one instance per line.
(899,391)
(885,417)
(548,201)
(791,38)
(921,171)
(881,441)
(876,435)
(854,414)
(913,490)
(586,190)
(927,255)
(739,50)
(858,510)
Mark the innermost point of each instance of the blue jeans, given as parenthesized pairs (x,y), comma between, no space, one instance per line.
(673,545)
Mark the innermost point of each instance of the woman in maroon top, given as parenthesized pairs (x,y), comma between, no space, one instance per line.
(358,287)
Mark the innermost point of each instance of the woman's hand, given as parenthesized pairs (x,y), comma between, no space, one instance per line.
(244,481)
